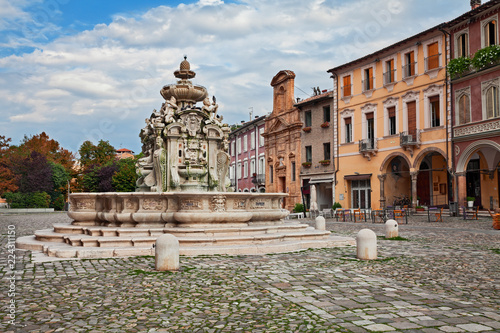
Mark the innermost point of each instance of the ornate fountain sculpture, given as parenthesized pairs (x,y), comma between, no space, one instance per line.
(185,146)
(181,191)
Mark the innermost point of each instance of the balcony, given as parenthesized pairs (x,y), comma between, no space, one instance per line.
(347,92)
(410,140)
(368,148)
(389,77)
(432,65)
(368,84)
(259,179)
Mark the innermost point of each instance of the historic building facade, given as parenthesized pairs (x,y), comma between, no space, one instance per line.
(475,100)
(391,117)
(282,141)
(248,165)
(317,164)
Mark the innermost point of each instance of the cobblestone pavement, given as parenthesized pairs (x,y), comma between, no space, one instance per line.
(445,277)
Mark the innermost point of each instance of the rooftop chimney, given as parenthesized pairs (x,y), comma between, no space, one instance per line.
(474,4)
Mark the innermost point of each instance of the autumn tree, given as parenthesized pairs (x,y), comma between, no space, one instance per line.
(7,177)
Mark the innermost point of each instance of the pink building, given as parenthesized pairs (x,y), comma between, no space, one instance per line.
(247,170)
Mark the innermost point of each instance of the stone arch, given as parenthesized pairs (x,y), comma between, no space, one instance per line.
(471,149)
(390,157)
(421,155)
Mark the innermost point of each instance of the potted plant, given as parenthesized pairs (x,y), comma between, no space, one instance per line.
(324,162)
(306,164)
(325,124)
(470,202)
(307,129)
(336,205)
(420,209)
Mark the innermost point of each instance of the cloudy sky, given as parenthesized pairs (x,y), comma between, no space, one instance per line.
(92,69)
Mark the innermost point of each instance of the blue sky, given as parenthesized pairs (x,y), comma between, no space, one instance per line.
(93,69)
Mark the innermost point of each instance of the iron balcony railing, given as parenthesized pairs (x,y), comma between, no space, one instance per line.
(390,76)
(347,91)
(369,84)
(259,178)
(409,70)
(367,145)
(411,138)
(432,62)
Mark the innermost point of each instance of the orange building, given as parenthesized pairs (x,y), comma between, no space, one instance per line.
(282,141)
(392,124)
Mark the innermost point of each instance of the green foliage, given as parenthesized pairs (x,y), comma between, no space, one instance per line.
(486,57)
(125,178)
(100,154)
(459,66)
(28,200)
(299,208)
(471,199)
(58,202)
(336,205)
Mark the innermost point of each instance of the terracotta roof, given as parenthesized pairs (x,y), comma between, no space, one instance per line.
(124,150)
(473,12)
(325,95)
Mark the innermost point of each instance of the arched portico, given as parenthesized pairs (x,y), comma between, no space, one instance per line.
(395,181)
(478,175)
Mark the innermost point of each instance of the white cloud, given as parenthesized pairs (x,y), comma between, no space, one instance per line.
(114,72)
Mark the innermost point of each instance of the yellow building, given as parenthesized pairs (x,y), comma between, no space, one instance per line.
(392,122)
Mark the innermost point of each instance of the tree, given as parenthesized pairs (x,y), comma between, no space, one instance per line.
(7,177)
(101,154)
(125,178)
(36,174)
(50,148)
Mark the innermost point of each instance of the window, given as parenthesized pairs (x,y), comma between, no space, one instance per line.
(409,67)
(233,146)
(389,71)
(463,110)
(346,88)
(308,118)
(326,114)
(490,33)
(348,130)
(238,171)
(435,112)
(252,140)
(432,56)
(245,169)
(271,174)
(370,129)
(492,102)
(261,138)
(463,45)
(252,168)
(231,172)
(245,143)
(326,151)
(361,194)
(238,146)
(308,153)
(293,172)
(368,82)
(261,166)
(392,120)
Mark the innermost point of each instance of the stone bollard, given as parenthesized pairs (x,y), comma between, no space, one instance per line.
(167,253)
(320,223)
(391,229)
(366,244)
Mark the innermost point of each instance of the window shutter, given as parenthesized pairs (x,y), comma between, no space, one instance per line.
(369,115)
(392,111)
(348,121)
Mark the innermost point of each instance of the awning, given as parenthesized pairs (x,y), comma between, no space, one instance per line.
(358,177)
(318,181)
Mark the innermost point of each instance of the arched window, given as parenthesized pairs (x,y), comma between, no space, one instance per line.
(490,33)
(463,110)
(463,45)
(492,102)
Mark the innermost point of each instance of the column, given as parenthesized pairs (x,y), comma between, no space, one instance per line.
(462,188)
(414,177)
(382,178)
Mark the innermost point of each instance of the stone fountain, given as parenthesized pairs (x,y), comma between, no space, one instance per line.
(182,190)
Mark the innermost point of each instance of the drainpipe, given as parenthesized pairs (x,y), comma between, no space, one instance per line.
(448,102)
(335,77)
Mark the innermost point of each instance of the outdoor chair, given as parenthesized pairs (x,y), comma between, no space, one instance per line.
(439,215)
(358,215)
(399,216)
(470,214)
(378,214)
(327,213)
